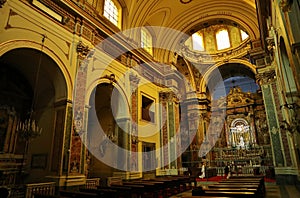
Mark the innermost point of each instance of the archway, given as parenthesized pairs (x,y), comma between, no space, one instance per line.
(33,84)
(108,113)
(244,130)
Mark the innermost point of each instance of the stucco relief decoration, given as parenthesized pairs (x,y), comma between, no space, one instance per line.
(266,77)
(286,5)
(82,50)
(134,79)
(78,121)
(236,96)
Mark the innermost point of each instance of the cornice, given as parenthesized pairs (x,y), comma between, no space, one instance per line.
(224,55)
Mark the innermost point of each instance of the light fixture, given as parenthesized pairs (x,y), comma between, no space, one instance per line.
(29,128)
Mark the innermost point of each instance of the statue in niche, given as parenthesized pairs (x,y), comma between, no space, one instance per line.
(242,143)
(240,134)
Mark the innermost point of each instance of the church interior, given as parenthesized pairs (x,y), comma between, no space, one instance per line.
(166,95)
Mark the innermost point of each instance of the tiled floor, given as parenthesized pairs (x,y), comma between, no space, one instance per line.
(272,191)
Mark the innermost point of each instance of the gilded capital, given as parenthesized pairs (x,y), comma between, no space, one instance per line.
(266,77)
(82,49)
(168,96)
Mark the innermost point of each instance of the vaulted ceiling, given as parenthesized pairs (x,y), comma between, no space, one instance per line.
(189,15)
(186,17)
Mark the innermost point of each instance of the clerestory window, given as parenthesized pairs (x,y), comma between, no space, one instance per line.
(223,41)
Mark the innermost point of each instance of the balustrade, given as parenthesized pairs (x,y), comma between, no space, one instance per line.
(92,183)
(40,188)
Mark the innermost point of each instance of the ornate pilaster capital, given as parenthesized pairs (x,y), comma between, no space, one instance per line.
(168,96)
(163,96)
(266,77)
(286,5)
(271,44)
(111,78)
(2,2)
(134,78)
(82,50)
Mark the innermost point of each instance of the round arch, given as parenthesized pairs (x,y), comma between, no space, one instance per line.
(48,80)
(206,76)
(27,44)
(99,81)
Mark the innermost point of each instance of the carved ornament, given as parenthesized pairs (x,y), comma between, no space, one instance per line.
(266,77)
(286,5)
(2,2)
(82,49)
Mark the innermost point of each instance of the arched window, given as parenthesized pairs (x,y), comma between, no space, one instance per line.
(112,12)
(223,41)
(197,40)
(244,35)
(146,41)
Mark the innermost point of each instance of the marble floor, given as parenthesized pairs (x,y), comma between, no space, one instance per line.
(272,191)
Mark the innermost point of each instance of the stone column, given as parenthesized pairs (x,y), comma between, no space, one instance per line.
(170,129)
(193,127)
(163,100)
(74,153)
(79,110)
(279,140)
(134,81)
(122,130)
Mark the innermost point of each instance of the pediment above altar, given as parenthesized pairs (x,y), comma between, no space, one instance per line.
(237,97)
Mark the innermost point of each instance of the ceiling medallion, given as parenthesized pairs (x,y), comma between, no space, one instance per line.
(185,1)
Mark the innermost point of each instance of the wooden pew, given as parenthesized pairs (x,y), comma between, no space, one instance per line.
(204,197)
(234,187)
(109,192)
(153,187)
(185,182)
(75,194)
(44,196)
(221,193)
(247,181)
(170,186)
(250,191)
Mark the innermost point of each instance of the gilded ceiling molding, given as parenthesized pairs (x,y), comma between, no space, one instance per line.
(2,2)
(210,58)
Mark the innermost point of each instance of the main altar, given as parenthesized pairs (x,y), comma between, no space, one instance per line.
(244,142)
